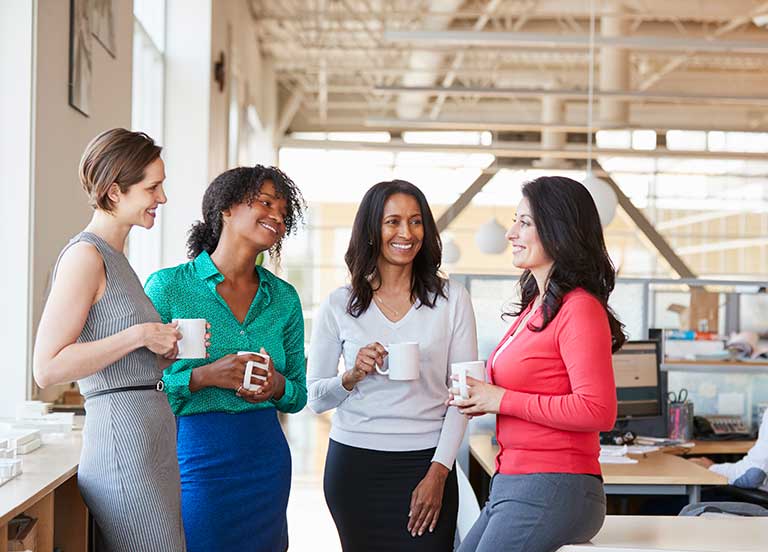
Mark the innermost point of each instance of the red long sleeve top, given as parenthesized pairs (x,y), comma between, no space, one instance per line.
(560,390)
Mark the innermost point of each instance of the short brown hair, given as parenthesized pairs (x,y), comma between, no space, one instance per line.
(116,156)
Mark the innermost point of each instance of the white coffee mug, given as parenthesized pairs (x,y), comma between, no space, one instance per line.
(249,376)
(402,361)
(192,342)
(474,369)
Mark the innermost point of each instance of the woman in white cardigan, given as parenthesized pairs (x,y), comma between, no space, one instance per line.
(389,477)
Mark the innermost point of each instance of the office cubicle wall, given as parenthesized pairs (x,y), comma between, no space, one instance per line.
(643,303)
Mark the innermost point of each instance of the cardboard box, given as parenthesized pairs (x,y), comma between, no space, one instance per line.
(702,312)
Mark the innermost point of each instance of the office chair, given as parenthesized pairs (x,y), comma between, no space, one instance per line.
(753,496)
(742,509)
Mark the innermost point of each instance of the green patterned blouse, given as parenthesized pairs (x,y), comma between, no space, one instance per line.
(274,321)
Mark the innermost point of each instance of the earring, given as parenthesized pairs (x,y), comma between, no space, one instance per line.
(370,242)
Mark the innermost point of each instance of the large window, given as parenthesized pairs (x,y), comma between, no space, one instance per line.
(145,246)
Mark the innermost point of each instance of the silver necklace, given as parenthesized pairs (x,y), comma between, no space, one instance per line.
(383,304)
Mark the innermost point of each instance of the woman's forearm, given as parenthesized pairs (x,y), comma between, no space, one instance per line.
(79,360)
(199,378)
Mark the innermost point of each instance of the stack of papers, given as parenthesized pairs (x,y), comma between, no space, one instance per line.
(615,454)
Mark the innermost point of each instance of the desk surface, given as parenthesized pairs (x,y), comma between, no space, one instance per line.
(700,534)
(652,469)
(43,471)
(720,447)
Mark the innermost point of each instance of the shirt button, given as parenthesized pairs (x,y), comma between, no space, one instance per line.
(242,332)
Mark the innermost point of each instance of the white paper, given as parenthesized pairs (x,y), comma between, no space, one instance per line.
(617,460)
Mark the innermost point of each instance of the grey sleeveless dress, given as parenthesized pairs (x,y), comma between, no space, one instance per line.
(129,473)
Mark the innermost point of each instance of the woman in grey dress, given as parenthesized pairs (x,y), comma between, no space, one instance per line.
(100,329)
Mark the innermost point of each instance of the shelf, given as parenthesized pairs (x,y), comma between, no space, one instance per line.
(715,366)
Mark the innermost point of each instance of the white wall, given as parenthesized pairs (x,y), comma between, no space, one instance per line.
(187,88)
(197,112)
(16,58)
(256,88)
(60,207)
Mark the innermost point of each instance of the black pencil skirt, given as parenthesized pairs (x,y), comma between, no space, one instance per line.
(369,494)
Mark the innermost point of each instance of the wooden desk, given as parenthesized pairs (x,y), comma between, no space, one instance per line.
(717,447)
(47,490)
(655,474)
(700,534)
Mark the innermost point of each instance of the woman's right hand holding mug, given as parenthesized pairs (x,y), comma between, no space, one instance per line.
(227,372)
(367,359)
(159,338)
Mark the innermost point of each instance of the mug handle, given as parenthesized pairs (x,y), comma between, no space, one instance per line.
(379,370)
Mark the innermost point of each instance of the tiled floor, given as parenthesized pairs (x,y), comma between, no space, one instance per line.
(310,526)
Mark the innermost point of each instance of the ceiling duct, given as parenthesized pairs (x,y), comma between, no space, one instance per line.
(614,67)
(424,65)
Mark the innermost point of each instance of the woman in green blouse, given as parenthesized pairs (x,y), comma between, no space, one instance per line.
(234,459)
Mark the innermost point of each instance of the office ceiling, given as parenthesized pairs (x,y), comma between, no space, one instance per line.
(517,66)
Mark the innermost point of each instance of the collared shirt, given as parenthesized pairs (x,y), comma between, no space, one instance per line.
(274,321)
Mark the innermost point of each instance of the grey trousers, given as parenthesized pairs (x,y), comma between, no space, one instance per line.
(537,512)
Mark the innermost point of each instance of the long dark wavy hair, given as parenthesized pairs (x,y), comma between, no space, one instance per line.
(365,247)
(568,225)
(242,185)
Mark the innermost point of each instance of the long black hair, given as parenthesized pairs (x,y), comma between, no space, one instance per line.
(568,226)
(365,247)
(242,185)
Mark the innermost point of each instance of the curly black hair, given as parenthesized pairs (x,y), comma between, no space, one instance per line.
(242,185)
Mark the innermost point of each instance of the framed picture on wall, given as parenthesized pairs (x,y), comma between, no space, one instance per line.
(102,20)
(80,57)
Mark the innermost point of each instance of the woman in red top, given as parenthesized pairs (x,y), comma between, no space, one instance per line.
(551,376)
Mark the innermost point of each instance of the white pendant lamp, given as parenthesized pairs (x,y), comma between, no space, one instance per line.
(451,251)
(602,193)
(491,238)
(604,198)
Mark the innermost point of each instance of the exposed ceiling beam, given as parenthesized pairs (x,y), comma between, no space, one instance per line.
(569,94)
(458,59)
(676,62)
(517,150)
(524,126)
(289,111)
(453,211)
(502,39)
(653,10)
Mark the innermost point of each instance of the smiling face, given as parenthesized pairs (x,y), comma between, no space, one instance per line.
(527,250)
(138,205)
(402,230)
(263,221)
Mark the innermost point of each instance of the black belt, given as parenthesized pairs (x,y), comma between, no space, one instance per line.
(159,386)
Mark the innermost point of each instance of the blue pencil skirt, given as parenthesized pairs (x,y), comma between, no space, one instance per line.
(235,480)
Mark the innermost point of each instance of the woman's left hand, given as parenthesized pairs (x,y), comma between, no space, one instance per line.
(484,398)
(272,388)
(427,500)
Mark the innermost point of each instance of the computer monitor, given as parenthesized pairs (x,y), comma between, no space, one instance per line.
(636,369)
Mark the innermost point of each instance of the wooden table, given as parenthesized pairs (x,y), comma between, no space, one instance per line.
(717,447)
(669,533)
(47,490)
(656,473)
